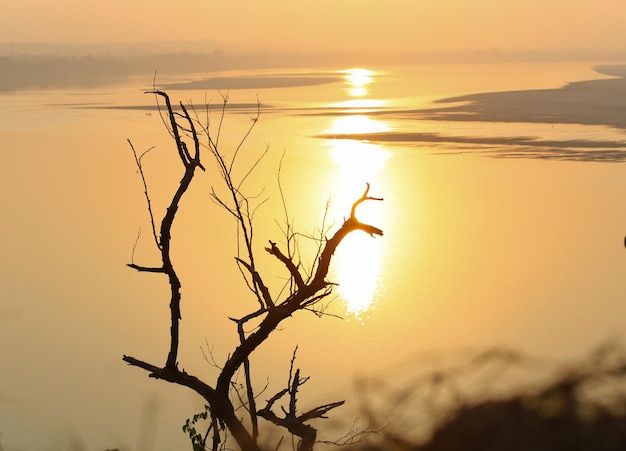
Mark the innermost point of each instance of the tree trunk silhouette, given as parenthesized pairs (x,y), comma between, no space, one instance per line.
(306,291)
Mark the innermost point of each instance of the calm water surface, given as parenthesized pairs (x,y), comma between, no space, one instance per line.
(478,250)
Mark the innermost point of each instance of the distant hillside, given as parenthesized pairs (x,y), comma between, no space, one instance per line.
(50,72)
(23,72)
(53,66)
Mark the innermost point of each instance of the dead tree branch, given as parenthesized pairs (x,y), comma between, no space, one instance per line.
(306,291)
(291,421)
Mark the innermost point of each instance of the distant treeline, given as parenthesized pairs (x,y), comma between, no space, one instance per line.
(46,72)
(52,72)
(40,71)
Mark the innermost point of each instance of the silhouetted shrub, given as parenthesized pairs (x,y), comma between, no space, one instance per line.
(582,407)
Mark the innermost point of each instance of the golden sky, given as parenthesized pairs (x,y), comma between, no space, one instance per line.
(421,25)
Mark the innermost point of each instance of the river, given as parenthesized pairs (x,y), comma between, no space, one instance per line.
(490,237)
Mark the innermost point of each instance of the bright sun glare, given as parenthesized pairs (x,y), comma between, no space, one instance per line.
(358,79)
(357,123)
(358,260)
(357,265)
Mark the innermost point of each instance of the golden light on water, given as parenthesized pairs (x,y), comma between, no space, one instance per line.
(357,123)
(358,271)
(358,79)
(357,266)
(361,103)
(359,162)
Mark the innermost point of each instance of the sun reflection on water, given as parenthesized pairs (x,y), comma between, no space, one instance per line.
(357,123)
(369,104)
(358,79)
(357,265)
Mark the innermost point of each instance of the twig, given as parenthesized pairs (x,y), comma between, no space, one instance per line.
(145,190)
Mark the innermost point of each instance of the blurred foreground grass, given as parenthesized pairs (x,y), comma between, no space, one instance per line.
(503,400)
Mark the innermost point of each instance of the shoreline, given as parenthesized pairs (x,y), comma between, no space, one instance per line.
(595,102)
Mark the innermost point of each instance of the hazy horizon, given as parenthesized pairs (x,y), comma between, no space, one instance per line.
(56,65)
(207,46)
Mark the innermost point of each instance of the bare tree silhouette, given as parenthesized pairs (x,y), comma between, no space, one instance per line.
(306,289)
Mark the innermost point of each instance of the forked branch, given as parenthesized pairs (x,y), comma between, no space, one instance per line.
(163,241)
(270,312)
(350,225)
(294,423)
(305,297)
(288,262)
